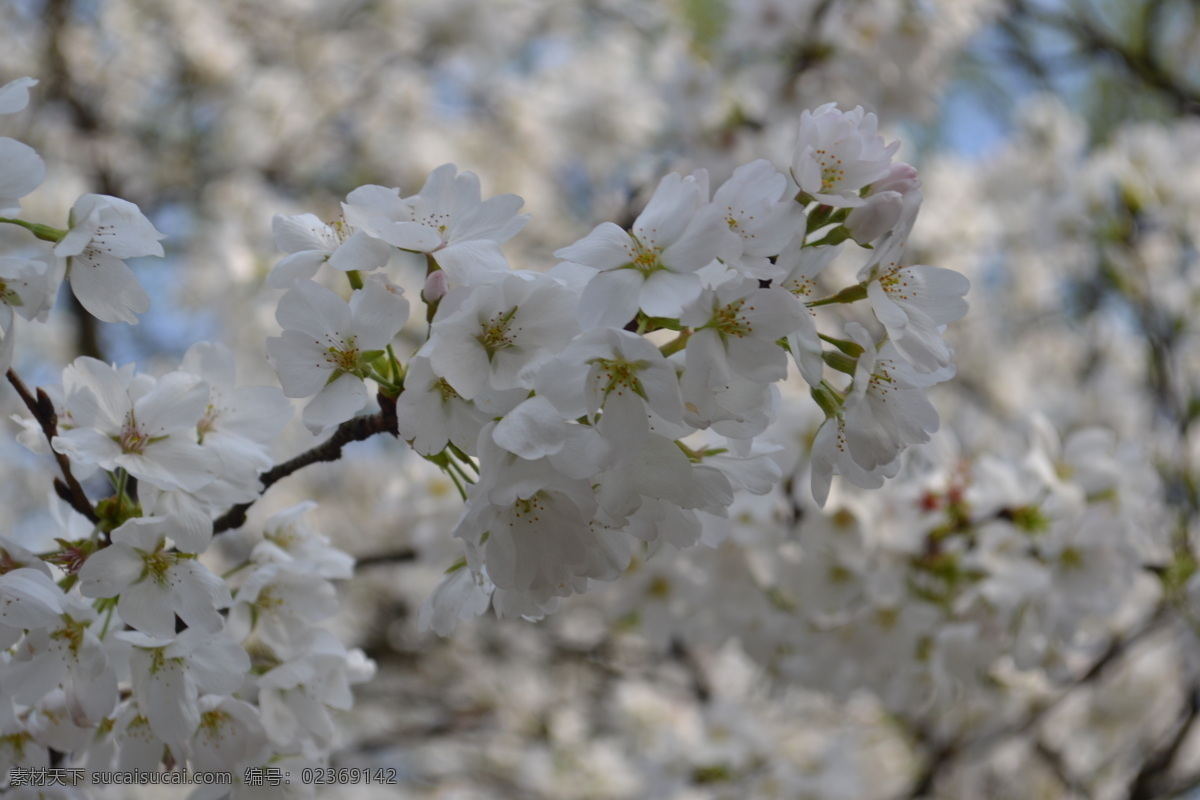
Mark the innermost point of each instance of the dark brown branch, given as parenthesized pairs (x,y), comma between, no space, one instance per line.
(354,430)
(1139,58)
(942,756)
(42,408)
(1153,779)
(386,559)
(1055,762)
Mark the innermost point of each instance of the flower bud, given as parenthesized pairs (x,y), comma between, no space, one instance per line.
(435,287)
(880,214)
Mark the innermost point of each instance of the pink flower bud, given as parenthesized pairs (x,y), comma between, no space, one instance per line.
(880,214)
(901,178)
(435,287)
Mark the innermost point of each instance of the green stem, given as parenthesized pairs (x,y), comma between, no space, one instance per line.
(235,570)
(107,619)
(828,398)
(43,232)
(851,294)
(397,370)
(676,344)
(463,457)
(852,349)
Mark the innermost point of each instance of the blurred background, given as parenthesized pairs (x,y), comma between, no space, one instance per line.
(1014,616)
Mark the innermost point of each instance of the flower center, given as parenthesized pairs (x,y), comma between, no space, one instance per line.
(496,335)
(133,439)
(728,320)
(831,170)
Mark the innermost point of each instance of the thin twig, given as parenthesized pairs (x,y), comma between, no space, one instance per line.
(1153,779)
(42,408)
(385,559)
(354,430)
(942,755)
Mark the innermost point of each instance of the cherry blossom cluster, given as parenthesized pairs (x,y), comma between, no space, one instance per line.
(941,594)
(569,401)
(614,404)
(123,648)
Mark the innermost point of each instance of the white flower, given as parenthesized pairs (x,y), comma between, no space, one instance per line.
(447,219)
(737,326)
(885,204)
(529,523)
(170,672)
(831,456)
(732,405)
(66,653)
(430,413)
(26,287)
(618,373)
(281,605)
(239,422)
(229,732)
(460,594)
(153,582)
(913,302)
(148,428)
(309,243)
(21,168)
(887,409)
(288,539)
(295,697)
(327,345)
(104,232)
(801,266)
(29,600)
(755,205)
(484,338)
(838,153)
(652,266)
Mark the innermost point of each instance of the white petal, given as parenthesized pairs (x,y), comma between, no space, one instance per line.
(532,430)
(107,288)
(606,247)
(14,95)
(336,403)
(610,300)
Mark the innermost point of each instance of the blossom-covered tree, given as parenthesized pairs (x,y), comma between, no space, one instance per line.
(950,553)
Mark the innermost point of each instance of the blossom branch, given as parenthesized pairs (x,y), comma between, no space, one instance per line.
(354,430)
(42,408)
(1153,779)
(941,757)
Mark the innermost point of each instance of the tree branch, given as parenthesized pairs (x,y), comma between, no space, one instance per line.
(943,755)
(1153,779)
(354,430)
(385,559)
(42,408)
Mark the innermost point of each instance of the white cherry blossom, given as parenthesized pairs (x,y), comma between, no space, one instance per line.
(104,232)
(153,582)
(488,337)
(652,266)
(328,343)
(914,302)
(447,219)
(756,204)
(147,428)
(839,153)
(169,674)
(309,243)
